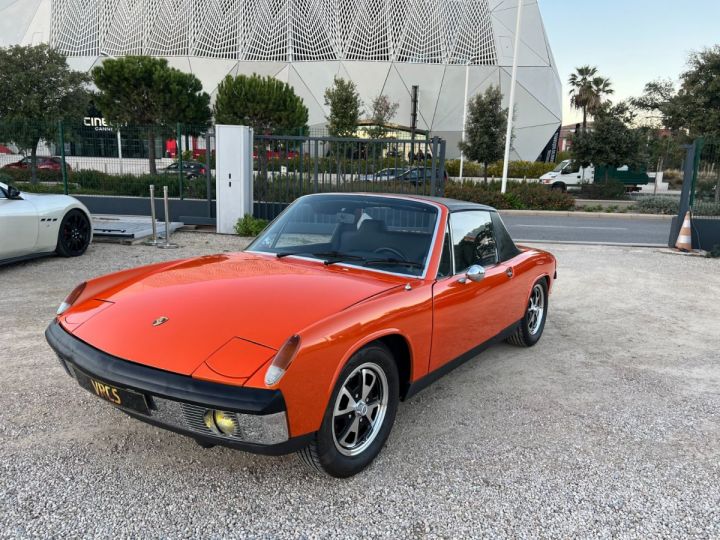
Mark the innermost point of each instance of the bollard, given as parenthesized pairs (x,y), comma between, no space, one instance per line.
(167,244)
(154,241)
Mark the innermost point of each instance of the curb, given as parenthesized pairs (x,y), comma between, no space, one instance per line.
(581,243)
(581,214)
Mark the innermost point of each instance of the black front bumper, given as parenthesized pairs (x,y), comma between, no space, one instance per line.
(165,391)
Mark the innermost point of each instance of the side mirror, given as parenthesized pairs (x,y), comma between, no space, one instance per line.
(475,273)
(13,193)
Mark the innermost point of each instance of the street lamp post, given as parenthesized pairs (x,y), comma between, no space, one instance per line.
(511,108)
(464,120)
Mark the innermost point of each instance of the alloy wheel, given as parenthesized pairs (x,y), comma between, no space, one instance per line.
(75,232)
(536,309)
(359,409)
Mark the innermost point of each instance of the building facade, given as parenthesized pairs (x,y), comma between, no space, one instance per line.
(384,46)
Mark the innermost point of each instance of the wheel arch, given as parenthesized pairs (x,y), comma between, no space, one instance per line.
(399,347)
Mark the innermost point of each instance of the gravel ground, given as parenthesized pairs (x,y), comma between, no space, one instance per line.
(609,427)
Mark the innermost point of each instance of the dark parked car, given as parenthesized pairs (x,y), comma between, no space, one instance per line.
(42,163)
(192,169)
(385,175)
(418,175)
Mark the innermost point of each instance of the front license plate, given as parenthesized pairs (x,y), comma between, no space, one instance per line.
(122,397)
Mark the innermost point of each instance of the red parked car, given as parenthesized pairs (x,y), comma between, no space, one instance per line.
(43,163)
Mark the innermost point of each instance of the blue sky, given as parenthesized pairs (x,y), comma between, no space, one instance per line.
(630,41)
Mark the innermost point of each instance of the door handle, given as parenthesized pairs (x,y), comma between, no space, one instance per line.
(509,272)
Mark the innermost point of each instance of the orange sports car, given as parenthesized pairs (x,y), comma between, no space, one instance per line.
(307,340)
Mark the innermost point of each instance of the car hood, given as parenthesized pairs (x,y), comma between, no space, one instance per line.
(210,302)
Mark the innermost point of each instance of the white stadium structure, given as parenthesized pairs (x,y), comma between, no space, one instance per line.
(384,46)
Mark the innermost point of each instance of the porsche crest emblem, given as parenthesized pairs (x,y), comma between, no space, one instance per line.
(160,320)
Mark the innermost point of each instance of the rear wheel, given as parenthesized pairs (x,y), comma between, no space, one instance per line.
(359,416)
(74,234)
(533,323)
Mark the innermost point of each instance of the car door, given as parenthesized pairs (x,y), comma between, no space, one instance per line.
(18,227)
(467,313)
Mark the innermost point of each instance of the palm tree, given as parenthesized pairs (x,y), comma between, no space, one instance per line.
(600,86)
(581,89)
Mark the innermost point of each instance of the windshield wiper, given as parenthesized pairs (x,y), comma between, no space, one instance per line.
(398,262)
(328,257)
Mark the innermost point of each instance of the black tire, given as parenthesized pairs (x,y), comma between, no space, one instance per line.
(559,186)
(328,455)
(530,329)
(74,234)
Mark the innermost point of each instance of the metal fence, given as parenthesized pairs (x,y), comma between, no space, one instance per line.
(705,194)
(287,167)
(93,158)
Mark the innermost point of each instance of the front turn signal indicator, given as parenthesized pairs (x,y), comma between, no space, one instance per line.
(281,362)
(71,298)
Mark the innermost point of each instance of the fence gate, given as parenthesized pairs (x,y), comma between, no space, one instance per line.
(700,194)
(287,167)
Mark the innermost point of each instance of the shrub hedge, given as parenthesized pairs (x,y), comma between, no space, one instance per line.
(516,169)
(519,195)
(612,190)
(89,182)
(657,205)
(250,226)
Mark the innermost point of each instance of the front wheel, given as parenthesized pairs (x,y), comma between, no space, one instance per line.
(359,416)
(74,234)
(533,323)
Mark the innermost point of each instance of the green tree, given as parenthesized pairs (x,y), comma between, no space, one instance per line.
(599,88)
(485,128)
(345,108)
(264,103)
(38,91)
(580,84)
(147,92)
(382,111)
(612,142)
(697,104)
(587,91)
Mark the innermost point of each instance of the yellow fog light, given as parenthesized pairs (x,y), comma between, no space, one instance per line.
(220,422)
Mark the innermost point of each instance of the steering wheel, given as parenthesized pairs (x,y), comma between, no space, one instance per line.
(393,251)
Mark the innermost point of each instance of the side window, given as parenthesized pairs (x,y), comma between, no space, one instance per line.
(473,240)
(445,268)
(572,168)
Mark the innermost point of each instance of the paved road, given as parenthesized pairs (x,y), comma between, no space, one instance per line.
(587,229)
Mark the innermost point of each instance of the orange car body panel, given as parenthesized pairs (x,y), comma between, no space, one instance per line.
(228,314)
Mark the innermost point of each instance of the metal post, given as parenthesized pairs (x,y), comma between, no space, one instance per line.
(167,244)
(181,173)
(511,108)
(208,174)
(413,120)
(441,191)
(433,178)
(317,163)
(464,120)
(62,156)
(154,241)
(687,189)
(119,142)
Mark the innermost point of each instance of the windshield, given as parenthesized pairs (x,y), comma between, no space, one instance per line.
(374,232)
(561,166)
